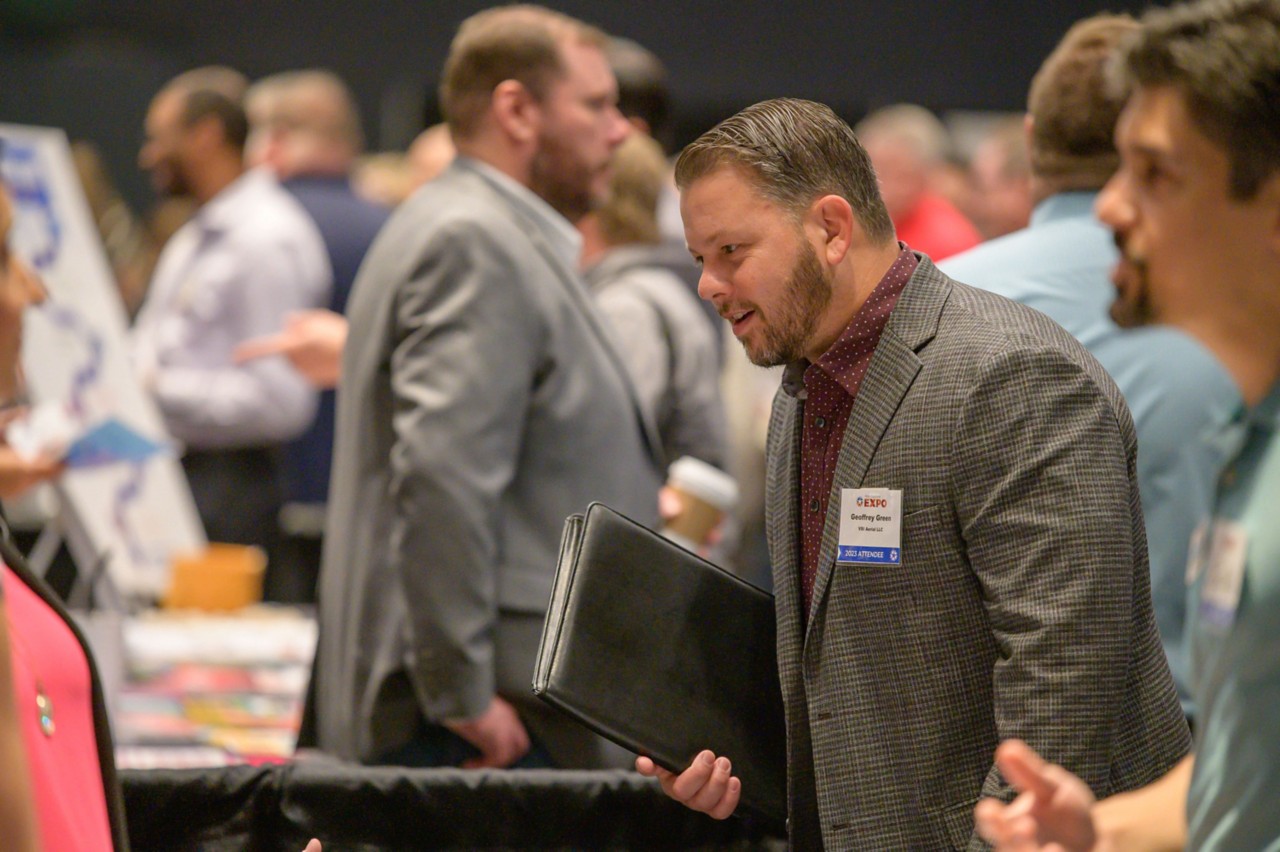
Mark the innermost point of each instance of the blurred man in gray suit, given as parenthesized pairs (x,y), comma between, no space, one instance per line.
(481,403)
(952,506)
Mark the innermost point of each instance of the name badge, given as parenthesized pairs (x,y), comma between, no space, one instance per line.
(870,526)
(1223,574)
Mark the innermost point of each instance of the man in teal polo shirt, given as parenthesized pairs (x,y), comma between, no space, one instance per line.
(1196,212)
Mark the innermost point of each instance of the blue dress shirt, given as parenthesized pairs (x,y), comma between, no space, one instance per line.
(1176,390)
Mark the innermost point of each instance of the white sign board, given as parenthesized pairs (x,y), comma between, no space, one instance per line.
(126,518)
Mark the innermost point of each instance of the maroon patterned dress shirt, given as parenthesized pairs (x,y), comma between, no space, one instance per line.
(830,386)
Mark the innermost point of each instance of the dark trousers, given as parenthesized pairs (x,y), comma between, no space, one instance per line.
(238,494)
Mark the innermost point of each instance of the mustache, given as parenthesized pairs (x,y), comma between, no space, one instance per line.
(1136,260)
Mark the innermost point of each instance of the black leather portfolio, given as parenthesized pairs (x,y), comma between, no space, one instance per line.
(665,654)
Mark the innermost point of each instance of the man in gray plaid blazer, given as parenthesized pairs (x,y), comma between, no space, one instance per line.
(953,516)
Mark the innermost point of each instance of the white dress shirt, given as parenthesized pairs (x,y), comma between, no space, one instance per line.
(247,259)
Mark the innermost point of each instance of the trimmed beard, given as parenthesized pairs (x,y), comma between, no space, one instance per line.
(805,298)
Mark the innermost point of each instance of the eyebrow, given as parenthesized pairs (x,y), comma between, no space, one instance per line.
(714,238)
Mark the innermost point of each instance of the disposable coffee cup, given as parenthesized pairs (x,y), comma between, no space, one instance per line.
(706,494)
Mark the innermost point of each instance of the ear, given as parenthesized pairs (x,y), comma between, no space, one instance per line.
(1028,129)
(516,112)
(830,223)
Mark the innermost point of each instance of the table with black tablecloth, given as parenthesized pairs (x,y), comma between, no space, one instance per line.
(366,808)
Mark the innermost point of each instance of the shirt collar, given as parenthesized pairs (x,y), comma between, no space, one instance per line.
(1064,205)
(565,240)
(222,211)
(1228,438)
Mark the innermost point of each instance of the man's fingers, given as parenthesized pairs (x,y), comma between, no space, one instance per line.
(645,766)
(729,802)
(1025,769)
(687,784)
(259,347)
(707,785)
(710,796)
(988,818)
(1006,827)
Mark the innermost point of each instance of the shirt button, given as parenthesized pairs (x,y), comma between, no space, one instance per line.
(814,505)
(820,422)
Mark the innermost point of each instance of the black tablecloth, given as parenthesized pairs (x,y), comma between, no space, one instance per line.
(362,808)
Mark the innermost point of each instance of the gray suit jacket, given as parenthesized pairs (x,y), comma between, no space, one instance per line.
(1022,604)
(481,403)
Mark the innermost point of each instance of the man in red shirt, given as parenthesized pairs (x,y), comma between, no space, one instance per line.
(907,144)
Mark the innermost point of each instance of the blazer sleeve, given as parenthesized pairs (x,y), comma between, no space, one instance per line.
(466,348)
(1046,501)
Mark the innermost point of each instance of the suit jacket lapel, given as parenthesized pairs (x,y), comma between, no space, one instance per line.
(893,369)
(574,286)
(784,540)
(582,300)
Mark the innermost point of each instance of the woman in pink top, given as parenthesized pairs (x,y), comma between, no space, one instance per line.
(51,688)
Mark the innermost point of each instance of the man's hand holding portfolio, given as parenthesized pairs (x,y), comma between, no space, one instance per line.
(707,786)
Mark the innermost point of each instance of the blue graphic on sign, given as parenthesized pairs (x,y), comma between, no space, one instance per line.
(30,193)
(876,555)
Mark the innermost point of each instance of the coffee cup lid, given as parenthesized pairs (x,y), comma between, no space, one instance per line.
(704,480)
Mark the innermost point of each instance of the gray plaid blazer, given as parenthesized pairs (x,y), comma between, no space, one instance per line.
(1021,608)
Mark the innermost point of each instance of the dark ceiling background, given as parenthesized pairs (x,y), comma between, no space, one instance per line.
(91,66)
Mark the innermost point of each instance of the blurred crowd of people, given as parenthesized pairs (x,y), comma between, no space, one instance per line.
(398,373)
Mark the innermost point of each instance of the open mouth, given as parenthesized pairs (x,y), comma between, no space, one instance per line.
(739,320)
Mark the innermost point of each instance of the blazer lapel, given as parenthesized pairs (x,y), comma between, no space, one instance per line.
(784,542)
(581,299)
(578,294)
(893,369)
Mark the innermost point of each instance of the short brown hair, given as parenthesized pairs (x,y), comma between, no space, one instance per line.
(796,151)
(519,43)
(1074,108)
(1224,57)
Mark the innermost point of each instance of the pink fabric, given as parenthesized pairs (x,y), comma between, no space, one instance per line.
(936,228)
(831,385)
(66,777)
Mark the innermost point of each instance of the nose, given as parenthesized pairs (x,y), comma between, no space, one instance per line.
(619,127)
(710,286)
(1113,207)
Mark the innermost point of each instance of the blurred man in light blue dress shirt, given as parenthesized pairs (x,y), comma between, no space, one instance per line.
(1060,265)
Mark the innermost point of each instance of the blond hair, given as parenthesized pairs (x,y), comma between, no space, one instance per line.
(629,213)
